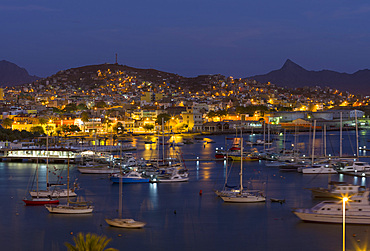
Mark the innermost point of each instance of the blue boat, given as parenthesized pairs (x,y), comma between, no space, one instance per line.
(131,177)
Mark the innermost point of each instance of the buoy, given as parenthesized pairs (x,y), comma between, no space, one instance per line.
(119,235)
(354,235)
(174,212)
(71,233)
(200,192)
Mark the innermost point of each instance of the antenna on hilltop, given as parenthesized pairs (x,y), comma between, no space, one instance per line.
(116,58)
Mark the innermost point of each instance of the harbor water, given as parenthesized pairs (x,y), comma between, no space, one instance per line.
(186,215)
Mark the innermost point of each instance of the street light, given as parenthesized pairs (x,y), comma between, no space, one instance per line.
(344,200)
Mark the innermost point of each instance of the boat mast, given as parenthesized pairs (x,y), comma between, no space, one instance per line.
(324,140)
(163,139)
(68,180)
(357,153)
(47,157)
(120,189)
(340,135)
(313,142)
(241,164)
(37,177)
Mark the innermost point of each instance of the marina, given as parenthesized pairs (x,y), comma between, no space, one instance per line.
(185,215)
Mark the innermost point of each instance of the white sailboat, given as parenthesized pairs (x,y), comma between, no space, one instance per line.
(70,207)
(241,196)
(120,222)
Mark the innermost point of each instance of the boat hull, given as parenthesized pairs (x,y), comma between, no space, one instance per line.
(40,201)
(97,170)
(125,223)
(69,209)
(129,180)
(243,199)
(305,215)
(58,193)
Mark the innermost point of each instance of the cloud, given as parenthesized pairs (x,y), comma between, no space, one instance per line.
(26,8)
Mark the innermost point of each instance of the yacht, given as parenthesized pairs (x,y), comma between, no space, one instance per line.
(357,211)
(336,190)
(319,169)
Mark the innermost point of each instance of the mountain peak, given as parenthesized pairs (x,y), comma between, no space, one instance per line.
(290,65)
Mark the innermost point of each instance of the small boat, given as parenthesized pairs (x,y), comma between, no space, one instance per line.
(241,196)
(70,207)
(125,223)
(39,200)
(357,212)
(130,177)
(281,201)
(97,168)
(119,222)
(173,177)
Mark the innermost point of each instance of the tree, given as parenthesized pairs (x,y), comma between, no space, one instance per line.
(165,117)
(148,127)
(7,122)
(89,242)
(37,129)
(81,107)
(118,128)
(42,121)
(101,104)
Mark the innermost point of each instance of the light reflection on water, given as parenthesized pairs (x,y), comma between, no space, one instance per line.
(177,216)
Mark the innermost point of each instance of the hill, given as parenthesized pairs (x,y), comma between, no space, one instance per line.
(294,76)
(12,75)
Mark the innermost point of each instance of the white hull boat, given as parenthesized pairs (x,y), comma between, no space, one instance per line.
(357,211)
(57,193)
(243,197)
(318,169)
(98,170)
(70,209)
(125,223)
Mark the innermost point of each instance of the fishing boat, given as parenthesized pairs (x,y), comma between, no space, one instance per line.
(357,212)
(70,207)
(239,195)
(120,222)
(39,200)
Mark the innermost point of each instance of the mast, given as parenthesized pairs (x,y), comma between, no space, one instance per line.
(68,181)
(47,157)
(324,140)
(37,177)
(340,136)
(357,153)
(163,140)
(120,189)
(313,142)
(241,166)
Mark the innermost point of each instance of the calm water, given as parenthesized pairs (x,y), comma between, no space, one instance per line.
(177,216)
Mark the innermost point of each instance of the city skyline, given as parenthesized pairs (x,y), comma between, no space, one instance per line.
(238,38)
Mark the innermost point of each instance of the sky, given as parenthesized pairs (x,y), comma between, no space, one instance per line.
(238,38)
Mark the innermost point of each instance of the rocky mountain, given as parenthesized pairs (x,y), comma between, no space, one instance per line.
(12,75)
(294,76)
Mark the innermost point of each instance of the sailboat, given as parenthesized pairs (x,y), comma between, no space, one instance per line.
(39,200)
(120,222)
(70,207)
(240,195)
(55,193)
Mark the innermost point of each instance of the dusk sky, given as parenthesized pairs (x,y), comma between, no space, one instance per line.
(237,38)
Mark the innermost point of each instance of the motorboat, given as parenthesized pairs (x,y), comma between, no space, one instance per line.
(97,168)
(353,167)
(40,201)
(336,190)
(175,176)
(319,169)
(357,211)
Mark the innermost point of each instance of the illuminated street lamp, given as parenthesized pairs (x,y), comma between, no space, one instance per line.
(344,200)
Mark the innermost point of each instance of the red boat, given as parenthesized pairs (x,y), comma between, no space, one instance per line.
(40,201)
